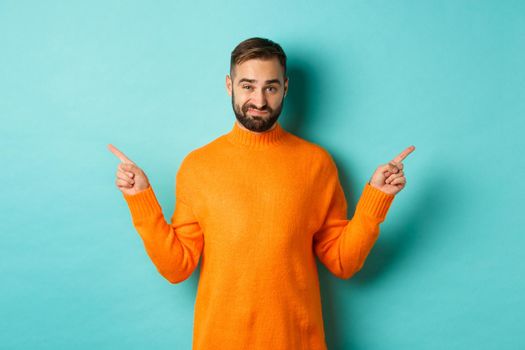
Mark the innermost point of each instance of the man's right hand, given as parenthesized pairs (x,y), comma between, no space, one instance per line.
(130,178)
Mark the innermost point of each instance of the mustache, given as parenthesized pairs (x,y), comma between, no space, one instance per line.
(266,108)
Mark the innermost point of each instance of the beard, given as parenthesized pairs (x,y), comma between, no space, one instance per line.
(257,123)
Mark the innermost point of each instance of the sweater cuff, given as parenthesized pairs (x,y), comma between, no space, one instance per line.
(143,203)
(374,202)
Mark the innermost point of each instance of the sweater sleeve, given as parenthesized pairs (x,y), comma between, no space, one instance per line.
(342,245)
(173,248)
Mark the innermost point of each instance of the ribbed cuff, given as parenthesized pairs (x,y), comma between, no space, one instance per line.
(374,202)
(143,203)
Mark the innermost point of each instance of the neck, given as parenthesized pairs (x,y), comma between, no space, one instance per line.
(241,136)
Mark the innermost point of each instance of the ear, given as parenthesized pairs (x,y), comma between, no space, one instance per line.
(228,84)
(285,86)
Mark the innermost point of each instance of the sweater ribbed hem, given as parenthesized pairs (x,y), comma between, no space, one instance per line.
(143,203)
(374,202)
(256,140)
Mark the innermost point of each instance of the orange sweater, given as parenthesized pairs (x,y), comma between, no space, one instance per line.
(256,209)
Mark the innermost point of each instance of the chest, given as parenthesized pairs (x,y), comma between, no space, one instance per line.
(263,203)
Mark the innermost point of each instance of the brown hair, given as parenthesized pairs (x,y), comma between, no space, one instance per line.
(257,48)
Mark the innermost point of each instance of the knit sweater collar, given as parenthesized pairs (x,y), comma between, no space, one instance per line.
(255,140)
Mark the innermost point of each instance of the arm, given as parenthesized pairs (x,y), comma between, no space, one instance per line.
(342,245)
(174,249)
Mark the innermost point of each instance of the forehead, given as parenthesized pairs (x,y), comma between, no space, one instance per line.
(259,69)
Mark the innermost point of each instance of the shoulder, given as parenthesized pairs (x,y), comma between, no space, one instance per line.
(192,166)
(200,156)
(316,154)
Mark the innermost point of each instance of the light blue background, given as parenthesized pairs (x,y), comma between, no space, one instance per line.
(367,79)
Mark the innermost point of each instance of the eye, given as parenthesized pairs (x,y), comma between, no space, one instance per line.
(246,87)
(272,89)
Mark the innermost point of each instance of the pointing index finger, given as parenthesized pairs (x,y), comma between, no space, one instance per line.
(404,154)
(119,154)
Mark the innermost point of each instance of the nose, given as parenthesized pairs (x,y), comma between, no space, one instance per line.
(259,99)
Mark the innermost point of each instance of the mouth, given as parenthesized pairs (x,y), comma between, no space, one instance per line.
(257,112)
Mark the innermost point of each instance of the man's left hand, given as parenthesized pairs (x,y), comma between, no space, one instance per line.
(390,178)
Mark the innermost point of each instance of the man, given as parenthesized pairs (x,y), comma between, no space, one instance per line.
(255,206)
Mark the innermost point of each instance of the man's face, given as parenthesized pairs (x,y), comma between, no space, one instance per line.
(258,89)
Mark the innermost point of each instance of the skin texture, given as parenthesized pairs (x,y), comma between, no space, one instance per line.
(257,105)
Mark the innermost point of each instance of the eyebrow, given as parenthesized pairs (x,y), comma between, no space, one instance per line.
(277,81)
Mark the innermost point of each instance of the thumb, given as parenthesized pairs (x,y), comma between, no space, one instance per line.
(131,167)
(383,171)
(388,167)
